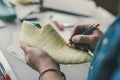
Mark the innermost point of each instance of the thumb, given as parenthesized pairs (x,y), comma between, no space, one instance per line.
(81,39)
(25,48)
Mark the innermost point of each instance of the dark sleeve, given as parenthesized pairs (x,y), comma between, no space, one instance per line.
(116,73)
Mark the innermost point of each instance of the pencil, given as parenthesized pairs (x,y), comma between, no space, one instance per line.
(90,29)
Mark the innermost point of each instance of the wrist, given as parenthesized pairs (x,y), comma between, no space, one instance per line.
(48,64)
(53,74)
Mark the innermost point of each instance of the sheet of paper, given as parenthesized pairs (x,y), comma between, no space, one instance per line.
(23,10)
(2,24)
(86,7)
(5,68)
(14,49)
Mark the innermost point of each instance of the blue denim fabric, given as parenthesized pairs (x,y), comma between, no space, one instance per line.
(105,64)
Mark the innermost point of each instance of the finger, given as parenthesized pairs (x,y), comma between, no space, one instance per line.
(77,29)
(82,39)
(26,57)
(80,46)
(26,48)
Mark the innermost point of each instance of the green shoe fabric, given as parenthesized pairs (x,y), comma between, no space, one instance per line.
(6,11)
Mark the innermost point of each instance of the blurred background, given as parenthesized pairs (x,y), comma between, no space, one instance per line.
(112,6)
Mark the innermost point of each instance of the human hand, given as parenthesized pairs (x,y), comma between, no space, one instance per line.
(90,39)
(38,59)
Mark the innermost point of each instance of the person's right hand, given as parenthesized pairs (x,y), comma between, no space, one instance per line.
(90,39)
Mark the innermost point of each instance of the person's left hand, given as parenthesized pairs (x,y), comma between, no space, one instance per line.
(38,59)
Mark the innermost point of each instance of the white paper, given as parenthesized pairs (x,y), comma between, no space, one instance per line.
(86,7)
(2,24)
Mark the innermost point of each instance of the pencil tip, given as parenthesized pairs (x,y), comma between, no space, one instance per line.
(97,25)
